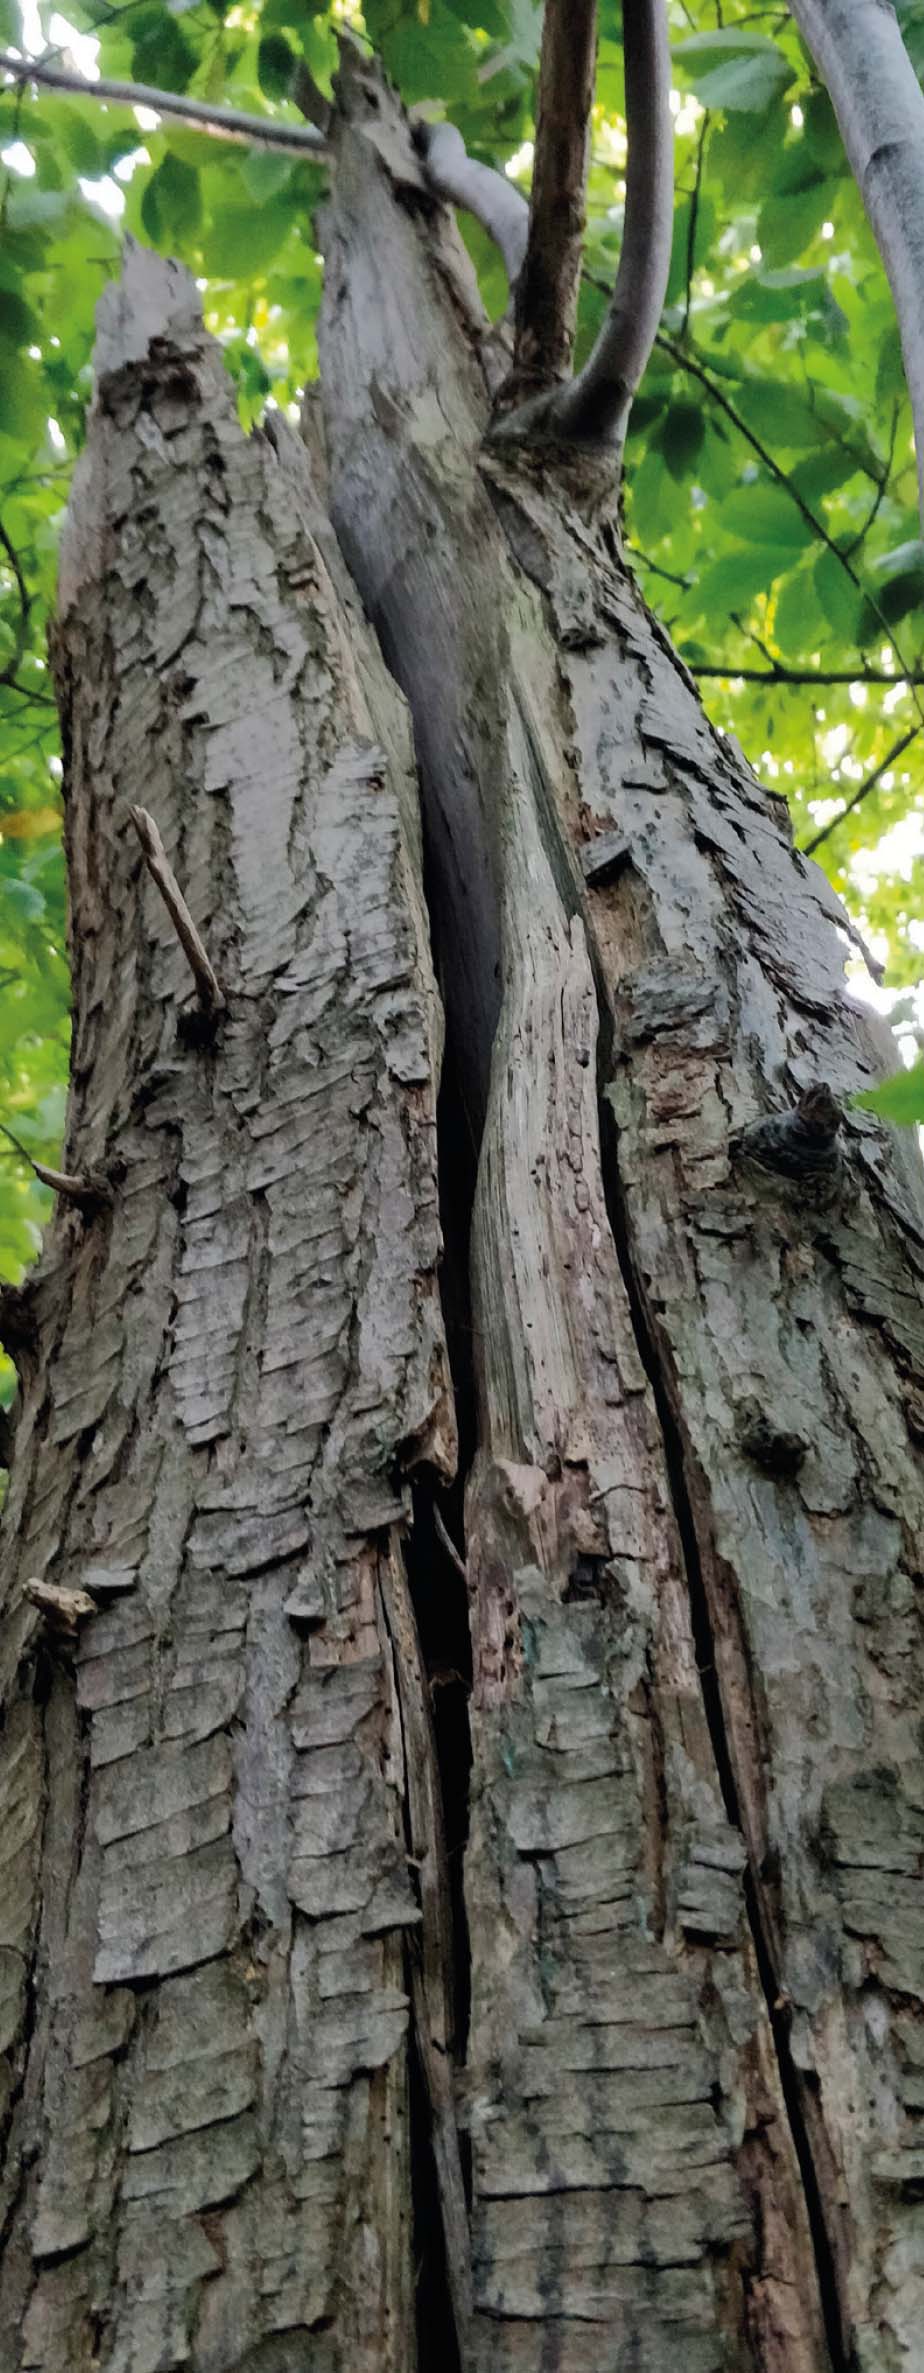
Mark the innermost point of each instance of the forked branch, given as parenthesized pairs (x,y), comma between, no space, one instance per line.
(860,55)
(592,409)
(547,289)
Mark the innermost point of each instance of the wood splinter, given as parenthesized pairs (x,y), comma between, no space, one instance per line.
(208,989)
(63,1609)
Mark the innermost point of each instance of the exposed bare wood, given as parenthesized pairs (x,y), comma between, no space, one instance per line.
(62,1609)
(547,288)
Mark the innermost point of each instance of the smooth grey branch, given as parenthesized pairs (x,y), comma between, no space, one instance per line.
(226,123)
(493,200)
(862,60)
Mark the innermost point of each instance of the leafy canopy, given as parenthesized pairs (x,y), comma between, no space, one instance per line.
(771,499)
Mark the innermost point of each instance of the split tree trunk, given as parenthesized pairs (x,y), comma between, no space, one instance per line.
(688,1372)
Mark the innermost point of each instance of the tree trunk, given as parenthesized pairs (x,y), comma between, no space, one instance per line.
(685,1318)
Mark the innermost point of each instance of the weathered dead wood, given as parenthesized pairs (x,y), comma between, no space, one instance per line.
(205,1894)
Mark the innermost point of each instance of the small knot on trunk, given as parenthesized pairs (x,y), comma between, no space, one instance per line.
(801,1143)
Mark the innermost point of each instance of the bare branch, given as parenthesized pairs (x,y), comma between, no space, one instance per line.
(779,674)
(227,123)
(547,289)
(494,201)
(308,97)
(862,60)
(90,1193)
(594,408)
(869,784)
(208,989)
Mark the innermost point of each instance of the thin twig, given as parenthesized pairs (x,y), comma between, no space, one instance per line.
(778,674)
(809,847)
(226,123)
(687,362)
(208,990)
(446,1542)
(692,225)
(547,289)
(89,1193)
(308,97)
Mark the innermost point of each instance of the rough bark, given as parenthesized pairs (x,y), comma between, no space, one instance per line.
(693,2070)
(691,2078)
(208,1898)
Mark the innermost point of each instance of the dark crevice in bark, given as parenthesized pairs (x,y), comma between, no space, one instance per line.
(809,2140)
(437,2340)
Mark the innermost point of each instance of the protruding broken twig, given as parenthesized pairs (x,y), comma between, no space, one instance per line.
(799,1144)
(90,1192)
(63,1609)
(208,989)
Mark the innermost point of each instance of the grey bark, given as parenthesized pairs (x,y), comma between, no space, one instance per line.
(207,1900)
(238,2099)
(695,1514)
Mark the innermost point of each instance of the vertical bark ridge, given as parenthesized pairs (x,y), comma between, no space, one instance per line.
(786,1376)
(207,1895)
(635,2186)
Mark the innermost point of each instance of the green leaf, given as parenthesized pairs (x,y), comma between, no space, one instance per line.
(762,514)
(740,71)
(241,240)
(790,220)
(276,64)
(899,1099)
(161,52)
(171,208)
(840,600)
(680,438)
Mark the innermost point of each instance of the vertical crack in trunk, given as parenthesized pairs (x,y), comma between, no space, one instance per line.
(435,1569)
(809,2140)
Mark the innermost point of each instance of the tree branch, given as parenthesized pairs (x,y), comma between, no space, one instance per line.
(776,673)
(864,65)
(494,201)
(227,123)
(869,784)
(547,289)
(594,407)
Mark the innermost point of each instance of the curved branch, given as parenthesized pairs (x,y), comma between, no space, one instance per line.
(547,289)
(864,65)
(227,123)
(494,201)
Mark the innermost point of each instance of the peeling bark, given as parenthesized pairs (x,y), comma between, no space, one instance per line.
(695,1513)
(679,2124)
(208,1905)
